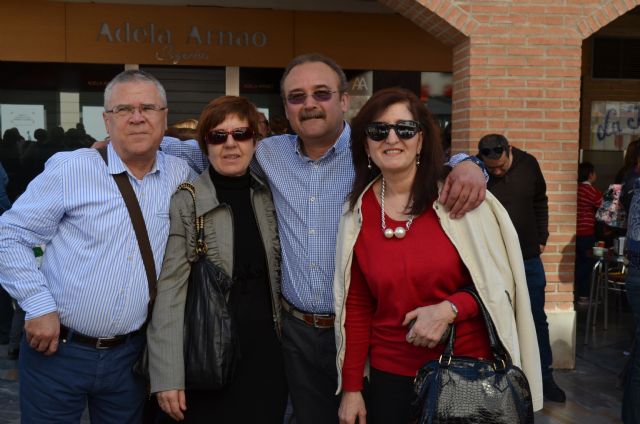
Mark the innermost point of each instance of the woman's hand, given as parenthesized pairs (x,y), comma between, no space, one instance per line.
(173,403)
(352,407)
(431,323)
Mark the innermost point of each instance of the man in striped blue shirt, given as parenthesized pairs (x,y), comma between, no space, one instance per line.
(86,304)
(310,175)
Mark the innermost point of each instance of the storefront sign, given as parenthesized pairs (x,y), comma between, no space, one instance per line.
(614,124)
(178,35)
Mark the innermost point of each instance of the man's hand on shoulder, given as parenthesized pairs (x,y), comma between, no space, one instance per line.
(43,332)
(464,189)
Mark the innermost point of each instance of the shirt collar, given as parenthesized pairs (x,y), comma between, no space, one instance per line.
(343,142)
(117,166)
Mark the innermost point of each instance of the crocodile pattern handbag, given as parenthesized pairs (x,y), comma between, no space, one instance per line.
(465,390)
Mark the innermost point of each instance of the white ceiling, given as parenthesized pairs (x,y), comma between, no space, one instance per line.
(366,6)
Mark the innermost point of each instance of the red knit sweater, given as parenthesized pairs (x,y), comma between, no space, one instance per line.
(391,277)
(589,200)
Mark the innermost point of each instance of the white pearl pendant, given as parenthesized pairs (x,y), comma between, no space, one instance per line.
(388,233)
(399,232)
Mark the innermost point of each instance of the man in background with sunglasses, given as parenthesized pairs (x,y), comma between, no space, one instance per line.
(310,175)
(517,182)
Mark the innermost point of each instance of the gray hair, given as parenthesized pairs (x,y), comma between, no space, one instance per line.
(316,57)
(133,75)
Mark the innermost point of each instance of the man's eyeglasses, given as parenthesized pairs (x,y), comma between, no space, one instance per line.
(489,151)
(145,109)
(220,136)
(378,131)
(298,97)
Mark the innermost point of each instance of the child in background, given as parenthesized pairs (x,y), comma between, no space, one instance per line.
(589,200)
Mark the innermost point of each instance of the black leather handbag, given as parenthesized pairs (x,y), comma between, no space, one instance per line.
(211,348)
(463,390)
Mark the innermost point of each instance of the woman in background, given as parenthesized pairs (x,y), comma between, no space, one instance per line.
(589,200)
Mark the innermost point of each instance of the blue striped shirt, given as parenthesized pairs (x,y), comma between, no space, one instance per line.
(92,273)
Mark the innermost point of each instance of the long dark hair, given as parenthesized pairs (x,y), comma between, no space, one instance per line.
(425,185)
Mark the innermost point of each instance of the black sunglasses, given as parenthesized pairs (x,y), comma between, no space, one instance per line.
(220,136)
(378,131)
(487,151)
(298,97)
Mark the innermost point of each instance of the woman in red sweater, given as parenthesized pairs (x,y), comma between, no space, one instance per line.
(589,200)
(405,269)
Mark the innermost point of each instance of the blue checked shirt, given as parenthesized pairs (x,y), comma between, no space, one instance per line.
(92,273)
(308,196)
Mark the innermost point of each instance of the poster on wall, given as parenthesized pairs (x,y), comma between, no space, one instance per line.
(93,122)
(614,124)
(26,118)
(360,90)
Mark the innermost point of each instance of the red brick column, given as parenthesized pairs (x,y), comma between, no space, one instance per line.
(516,71)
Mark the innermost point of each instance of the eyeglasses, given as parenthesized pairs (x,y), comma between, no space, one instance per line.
(487,151)
(220,136)
(298,97)
(378,131)
(145,109)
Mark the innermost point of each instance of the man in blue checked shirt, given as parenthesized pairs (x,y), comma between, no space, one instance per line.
(85,306)
(310,175)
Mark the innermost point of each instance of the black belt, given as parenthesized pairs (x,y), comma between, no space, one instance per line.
(314,320)
(67,334)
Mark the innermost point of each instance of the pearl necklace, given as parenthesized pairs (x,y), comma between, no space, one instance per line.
(399,232)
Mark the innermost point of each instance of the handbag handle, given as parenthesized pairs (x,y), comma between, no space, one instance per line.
(201,246)
(501,356)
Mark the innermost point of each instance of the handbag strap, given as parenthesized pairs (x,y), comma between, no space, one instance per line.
(137,220)
(201,246)
(500,354)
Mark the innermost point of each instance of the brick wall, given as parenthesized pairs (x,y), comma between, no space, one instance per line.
(516,70)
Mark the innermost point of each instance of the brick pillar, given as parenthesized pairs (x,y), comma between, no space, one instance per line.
(516,71)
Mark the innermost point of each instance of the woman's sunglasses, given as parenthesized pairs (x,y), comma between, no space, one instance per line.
(220,136)
(378,131)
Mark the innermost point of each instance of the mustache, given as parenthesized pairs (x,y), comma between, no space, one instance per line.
(313,114)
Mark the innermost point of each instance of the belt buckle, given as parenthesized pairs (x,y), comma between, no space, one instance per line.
(320,316)
(103,339)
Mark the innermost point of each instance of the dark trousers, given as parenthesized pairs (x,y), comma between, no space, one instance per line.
(389,398)
(57,388)
(631,396)
(584,264)
(536,282)
(310,365)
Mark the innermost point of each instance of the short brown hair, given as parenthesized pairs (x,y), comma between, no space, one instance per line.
(217,111)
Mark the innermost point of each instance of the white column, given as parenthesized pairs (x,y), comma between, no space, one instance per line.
(232,80)
(69,110)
